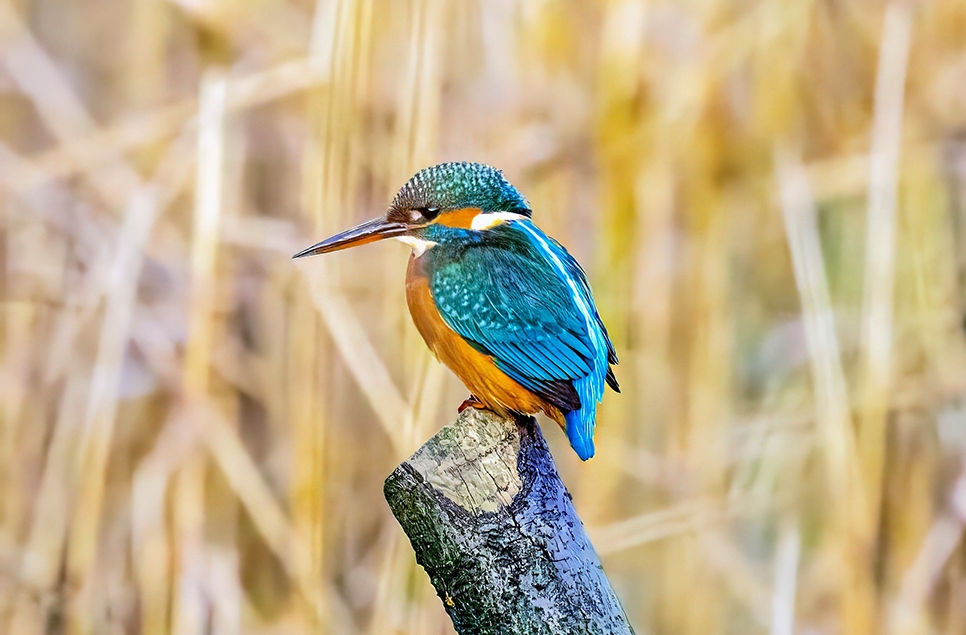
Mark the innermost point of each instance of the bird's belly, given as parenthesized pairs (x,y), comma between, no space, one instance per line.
(477,371)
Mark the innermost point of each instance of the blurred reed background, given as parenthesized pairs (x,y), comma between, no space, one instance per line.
(769,198)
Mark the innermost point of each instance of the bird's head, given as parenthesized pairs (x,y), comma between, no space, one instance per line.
(468,196)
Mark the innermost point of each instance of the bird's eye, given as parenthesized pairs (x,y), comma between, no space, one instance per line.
(425,213)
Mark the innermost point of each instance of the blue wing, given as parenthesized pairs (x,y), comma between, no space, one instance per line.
(522,299)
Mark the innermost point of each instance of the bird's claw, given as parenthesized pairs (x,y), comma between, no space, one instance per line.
(472,402)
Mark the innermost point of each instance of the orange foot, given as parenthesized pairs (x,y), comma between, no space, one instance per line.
(472,402)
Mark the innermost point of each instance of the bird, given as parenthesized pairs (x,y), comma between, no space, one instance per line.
(498,301)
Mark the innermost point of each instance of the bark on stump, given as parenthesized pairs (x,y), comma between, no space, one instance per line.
(495,529)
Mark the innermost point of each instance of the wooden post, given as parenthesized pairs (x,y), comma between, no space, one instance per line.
(495,529)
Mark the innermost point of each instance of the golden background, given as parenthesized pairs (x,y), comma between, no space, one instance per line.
(769,197)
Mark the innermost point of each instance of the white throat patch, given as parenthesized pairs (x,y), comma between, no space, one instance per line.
(492,219)
(418,244)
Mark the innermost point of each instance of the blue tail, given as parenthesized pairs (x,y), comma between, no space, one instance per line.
(581,432)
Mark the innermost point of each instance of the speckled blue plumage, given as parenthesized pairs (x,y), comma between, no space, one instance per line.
(516,294)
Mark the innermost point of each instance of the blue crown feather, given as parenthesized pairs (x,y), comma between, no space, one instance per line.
(450,186)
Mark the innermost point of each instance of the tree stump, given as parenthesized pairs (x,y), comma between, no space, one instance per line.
(495,529)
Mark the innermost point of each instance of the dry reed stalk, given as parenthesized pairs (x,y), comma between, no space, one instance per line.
(42,557)
(643,135)
(877,328)
(618,59)
(150,547)
(700,442)
(100,415)
(369,371)
(18,334)
(190,612)
(88,152)
(944,537)
(414,145)
(881,245)
(633,532)
(653,294)
(62,111)
(392,570)
(831,392)
(740,580)
(785,576)
(67,118)
(226,449)
(307,418)
(306,370)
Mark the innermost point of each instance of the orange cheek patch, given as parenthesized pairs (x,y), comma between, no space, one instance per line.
(462,218)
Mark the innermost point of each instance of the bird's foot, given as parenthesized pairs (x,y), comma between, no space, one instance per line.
(472,402)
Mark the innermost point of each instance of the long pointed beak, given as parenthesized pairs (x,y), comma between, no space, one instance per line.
(367,232)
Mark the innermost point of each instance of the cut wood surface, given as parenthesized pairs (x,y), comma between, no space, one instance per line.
(496,530)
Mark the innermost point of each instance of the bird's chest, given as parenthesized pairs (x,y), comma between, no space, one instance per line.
(424,293)
(419,297)
(475,370)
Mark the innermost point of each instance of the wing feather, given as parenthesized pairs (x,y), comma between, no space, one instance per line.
(509,303)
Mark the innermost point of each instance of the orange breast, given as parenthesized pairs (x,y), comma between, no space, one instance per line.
(477,371)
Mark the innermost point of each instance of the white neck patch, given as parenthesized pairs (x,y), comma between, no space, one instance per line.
(418,244)
(492,219)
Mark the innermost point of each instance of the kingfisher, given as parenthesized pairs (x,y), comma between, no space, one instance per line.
(497,300)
